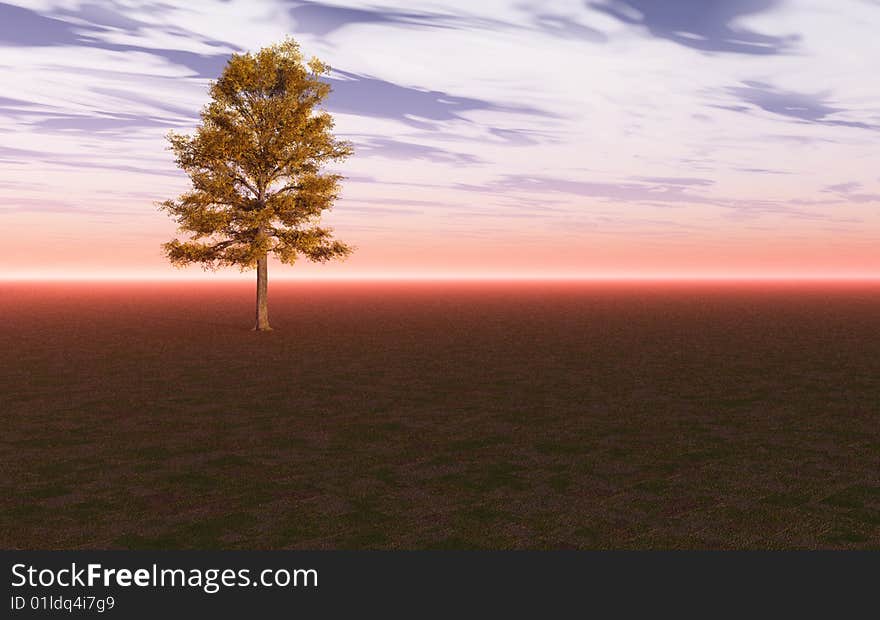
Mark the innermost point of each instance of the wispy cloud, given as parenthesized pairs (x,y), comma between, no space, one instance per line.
(322,19)
(409,151)
(652,190)
(852,192)
(370,96)
(804,107)
(94,26)
(707,25)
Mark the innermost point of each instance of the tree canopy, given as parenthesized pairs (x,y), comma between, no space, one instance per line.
(255,162)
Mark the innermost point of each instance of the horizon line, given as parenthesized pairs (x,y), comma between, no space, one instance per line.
(450,277)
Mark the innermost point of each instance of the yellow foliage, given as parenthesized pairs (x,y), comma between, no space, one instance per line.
(255,162)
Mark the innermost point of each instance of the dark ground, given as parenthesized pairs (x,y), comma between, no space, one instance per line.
(440,416)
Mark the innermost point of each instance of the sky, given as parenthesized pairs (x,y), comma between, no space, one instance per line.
(508,138)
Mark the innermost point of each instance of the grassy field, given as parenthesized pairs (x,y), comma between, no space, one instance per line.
(440,416)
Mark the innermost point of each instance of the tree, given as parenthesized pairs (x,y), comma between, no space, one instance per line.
(255,162)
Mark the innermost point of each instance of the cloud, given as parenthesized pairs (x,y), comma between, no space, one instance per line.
(849,192)
(320,19)
(805,107)
(566,28)
(323,19)
(26,28)
(100,123)
(692,181)
(483,134)
(95,27)
(398,149)
(24,204)
(204,66)
(115,114)
(11,155)
(843,188)
(14,155)
(100,15)
(149,101)
(707,25)
(515,137)
(762,171)
(370,96)
(371,210)
(651,194)
(657,191)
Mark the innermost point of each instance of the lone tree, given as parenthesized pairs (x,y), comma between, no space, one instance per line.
(255,164)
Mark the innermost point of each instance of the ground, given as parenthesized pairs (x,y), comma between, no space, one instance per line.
(416,416)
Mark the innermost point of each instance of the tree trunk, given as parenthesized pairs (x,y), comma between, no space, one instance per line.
(262,290)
